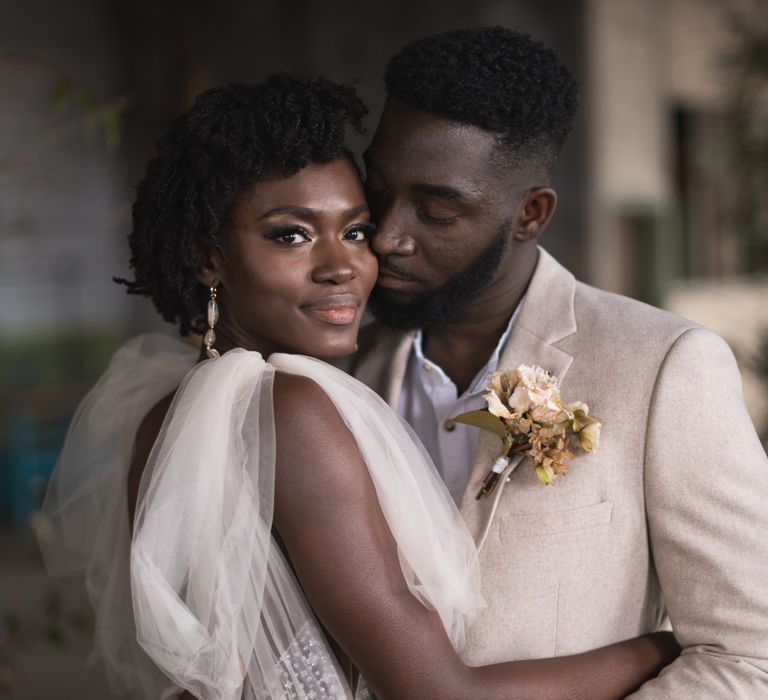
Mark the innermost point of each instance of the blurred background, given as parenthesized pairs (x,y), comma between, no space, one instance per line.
(663,196)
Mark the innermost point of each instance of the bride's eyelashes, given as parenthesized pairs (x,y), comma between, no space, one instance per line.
(364,230)
(294,235)
(288,235)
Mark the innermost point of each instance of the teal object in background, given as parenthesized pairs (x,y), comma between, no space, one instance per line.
(26,462)
(42,380)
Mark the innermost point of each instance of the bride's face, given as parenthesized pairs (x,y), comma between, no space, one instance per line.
(298,266)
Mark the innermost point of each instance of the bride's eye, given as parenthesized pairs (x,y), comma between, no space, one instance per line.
(360,233)
(289,235)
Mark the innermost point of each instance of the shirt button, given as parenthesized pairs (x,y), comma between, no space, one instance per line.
(427,367)
(449,425)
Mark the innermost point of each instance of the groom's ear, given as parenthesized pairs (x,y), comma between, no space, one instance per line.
(209,265)
(534,212)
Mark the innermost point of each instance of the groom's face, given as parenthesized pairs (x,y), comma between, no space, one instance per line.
(443,208)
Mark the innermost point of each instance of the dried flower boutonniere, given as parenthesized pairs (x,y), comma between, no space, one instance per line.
(526,412)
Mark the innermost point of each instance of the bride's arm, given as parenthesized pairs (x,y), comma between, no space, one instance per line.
(328,516)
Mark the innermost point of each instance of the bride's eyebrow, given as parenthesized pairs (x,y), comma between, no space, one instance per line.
(301,212)
(311,214)
(354,212)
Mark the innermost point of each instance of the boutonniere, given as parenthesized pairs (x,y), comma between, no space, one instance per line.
(525,410)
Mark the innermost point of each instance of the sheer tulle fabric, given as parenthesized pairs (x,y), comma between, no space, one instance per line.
(86,528)
(214,604)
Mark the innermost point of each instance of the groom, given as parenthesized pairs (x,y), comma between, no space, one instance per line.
(670,516)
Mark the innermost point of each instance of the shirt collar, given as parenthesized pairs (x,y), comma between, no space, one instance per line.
(480,382)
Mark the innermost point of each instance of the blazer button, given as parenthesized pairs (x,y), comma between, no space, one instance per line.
(449,426)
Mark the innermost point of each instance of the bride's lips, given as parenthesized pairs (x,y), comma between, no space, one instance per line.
(336,309)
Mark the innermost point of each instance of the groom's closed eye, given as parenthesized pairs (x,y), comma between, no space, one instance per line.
(439,205)
(438,212)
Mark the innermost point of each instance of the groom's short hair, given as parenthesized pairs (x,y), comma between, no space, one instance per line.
(494,78)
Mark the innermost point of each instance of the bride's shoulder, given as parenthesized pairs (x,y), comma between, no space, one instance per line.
(301,402)
(309,426)
(318,462)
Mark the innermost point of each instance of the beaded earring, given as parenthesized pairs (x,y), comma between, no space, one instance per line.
(210,335)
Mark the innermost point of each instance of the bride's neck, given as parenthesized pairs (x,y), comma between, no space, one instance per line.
(228,338)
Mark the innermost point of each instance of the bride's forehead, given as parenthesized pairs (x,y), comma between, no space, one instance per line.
(322,187)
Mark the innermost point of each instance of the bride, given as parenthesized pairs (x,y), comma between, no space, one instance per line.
(250,521)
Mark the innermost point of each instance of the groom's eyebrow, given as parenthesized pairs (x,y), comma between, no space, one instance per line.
(442,191)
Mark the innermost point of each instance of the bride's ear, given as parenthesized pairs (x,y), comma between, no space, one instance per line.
(208,263)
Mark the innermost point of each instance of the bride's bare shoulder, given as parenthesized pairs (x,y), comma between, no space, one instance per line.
(145,437)
(301,402)
(311,436)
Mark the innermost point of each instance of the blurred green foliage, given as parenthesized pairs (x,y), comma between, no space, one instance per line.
(81,110)
(99,119)
(44,359)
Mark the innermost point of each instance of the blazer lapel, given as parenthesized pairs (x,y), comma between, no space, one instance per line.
(546,316)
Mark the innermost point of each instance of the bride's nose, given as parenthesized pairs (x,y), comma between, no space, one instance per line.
(333,263)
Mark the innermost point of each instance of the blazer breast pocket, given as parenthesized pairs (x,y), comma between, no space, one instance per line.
(543,524)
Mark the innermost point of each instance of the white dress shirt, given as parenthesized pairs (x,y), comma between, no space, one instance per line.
(428,401)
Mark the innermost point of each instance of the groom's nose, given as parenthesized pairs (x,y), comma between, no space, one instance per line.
(392,237)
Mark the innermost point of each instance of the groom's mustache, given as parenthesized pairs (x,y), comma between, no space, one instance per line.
(390,268)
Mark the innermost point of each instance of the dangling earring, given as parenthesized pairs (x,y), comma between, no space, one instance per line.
(210,336)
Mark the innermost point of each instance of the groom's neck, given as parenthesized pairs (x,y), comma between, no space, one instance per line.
(462,346)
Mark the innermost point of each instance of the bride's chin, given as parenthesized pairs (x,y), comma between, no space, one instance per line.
(335,350)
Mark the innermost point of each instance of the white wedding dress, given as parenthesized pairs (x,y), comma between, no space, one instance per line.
(200,596)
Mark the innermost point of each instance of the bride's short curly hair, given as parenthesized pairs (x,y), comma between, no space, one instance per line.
(232,136)
(495,78)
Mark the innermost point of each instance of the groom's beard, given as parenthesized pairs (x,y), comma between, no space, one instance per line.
(444,303)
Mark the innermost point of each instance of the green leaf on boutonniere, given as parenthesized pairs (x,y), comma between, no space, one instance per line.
(485,421)
(546,476)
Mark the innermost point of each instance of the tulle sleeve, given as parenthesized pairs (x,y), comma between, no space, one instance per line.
(214,603)
(216,606)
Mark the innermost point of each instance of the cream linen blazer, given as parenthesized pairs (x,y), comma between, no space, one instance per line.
(668,518)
